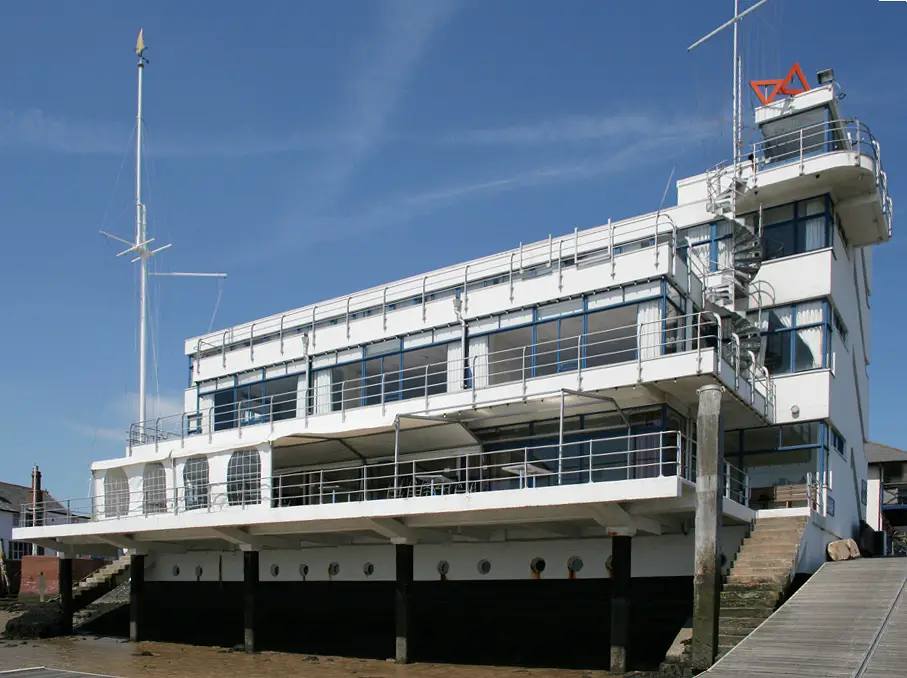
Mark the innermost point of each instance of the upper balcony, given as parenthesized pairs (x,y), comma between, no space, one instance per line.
(839,157)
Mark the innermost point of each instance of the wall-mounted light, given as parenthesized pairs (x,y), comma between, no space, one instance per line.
(825,77)
(795,411)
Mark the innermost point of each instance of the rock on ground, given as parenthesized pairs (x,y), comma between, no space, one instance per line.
(844,549)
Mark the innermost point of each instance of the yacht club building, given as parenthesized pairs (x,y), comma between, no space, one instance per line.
(470,457)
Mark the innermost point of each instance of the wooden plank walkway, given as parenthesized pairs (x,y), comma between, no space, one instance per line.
(848,621)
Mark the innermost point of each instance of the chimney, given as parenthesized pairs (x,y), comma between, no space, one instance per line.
(36,497)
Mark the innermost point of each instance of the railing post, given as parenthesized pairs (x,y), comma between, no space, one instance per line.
(522,371)
(591,479)
(343,400)
(321,486)
(210,422)
(727,480)
(157,433)
(68,511)
(611,245)
(661,453)
(281,335)
(252,343)
(639,352)
(383,379)
(801,150)
(473,380)
(579,363)
(426,387)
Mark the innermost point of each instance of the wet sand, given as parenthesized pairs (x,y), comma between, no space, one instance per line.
(112,656)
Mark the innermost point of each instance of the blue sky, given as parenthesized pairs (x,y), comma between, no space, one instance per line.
(313,149)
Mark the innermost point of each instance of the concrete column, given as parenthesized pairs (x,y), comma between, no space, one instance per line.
(136,596)
(403,613)
(620,603)
(64,577)
(709,510)
(250,595)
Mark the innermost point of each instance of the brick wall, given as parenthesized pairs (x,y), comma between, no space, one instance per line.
(34,566)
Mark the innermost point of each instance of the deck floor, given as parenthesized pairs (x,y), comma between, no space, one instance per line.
(849,620)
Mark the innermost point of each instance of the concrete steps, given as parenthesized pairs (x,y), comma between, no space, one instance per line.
(758,578)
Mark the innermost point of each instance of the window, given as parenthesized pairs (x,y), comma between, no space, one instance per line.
(18,549)
(837,442)
(154,488)
(795,336)
(839,325)
(244,478)
(116,493)
(794,228)
(711,245)
(195,483)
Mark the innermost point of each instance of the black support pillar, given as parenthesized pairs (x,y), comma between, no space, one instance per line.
(402,602)
(620,602)
(64,578)
(709,510)
(136,596)
(250,595)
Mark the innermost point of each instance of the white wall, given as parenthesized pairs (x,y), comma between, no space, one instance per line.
(664,556)
(874,505)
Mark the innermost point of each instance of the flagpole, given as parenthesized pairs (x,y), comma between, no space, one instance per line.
(140,239)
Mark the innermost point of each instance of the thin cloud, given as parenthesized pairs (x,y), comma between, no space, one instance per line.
(373,92)
(579,129)
(38,130)
(120,414)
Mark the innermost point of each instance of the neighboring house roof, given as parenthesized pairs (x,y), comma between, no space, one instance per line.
(12,497)
(877,453)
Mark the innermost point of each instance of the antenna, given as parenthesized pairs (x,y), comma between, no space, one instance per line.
(738,15)
(142,241)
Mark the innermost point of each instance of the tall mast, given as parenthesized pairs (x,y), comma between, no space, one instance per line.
(143,254)
(140,237)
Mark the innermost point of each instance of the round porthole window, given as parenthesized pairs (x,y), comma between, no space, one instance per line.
(484,566)
(575,564)
(176,570)
(334,569)
(368,569)
(275,570)
(304,570)
(537,565)
(198,570)
(443,567)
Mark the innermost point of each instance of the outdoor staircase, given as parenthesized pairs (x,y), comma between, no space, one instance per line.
(759,577)
(99,582)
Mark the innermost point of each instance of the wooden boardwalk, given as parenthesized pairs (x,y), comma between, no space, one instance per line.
(848,621)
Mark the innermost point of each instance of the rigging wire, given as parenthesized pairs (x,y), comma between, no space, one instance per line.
(220,292)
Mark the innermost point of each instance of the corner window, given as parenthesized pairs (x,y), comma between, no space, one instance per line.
(795,336)
(794,228)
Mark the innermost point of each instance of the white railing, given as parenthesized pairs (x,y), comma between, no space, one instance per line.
(637,343)
(851,136)
(606,459)
(554,254)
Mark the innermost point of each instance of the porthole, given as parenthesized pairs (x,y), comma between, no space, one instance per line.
(368,569)
(198,570)
(304,570)
(443,567)
(334,569)
(275,570)
(484,566)
(575,564)
(537,565)
(176,570)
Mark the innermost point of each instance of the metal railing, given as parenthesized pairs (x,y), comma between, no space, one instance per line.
(849,135)
(554,255)
(894,494)
(635,343)
(606,459)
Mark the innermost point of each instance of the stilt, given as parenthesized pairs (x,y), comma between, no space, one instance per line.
(250,593)
(709,485)
(620,602)
(64,577)
(136,596)
(402,602)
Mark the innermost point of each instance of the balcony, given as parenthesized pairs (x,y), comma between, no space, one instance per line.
(841,157)
(643,475)
(663,350)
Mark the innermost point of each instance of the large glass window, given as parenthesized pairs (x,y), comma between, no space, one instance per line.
(711,245)
(424,367)
(612,336)
(154,488)
(244,478)
(795,336)
(196,488)
(794,228)
(116,493)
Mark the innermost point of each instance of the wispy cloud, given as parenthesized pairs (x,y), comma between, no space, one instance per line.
(119,414)
(38,130)
(375,88)
(574,129)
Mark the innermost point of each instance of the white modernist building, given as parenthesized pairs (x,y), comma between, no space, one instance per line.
(503,421)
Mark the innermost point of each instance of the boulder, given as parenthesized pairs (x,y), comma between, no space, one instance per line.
(844,549)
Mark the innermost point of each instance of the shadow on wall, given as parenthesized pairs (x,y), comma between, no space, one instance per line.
(550,623)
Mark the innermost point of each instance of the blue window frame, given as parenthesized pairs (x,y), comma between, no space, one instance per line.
(796,336)
(709,242)
(794,228)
